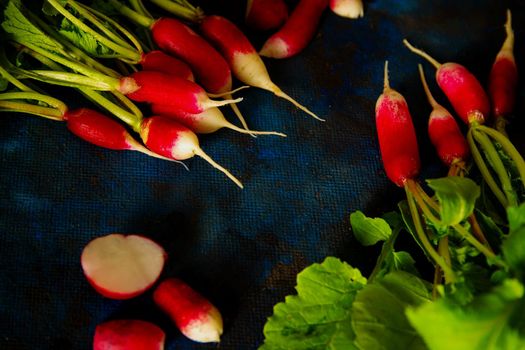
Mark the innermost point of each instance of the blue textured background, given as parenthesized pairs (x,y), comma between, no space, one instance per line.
(240,248)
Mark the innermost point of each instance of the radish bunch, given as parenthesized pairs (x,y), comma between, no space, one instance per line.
(494,155)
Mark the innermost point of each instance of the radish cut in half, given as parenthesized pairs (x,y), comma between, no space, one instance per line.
(122,266)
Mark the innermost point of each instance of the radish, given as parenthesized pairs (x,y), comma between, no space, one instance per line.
(193,315)
(396,134)
(158,87)
(347,8)
(102,131)
(443,130)
(173,140)
(461,87)
(206,122)
(128,335)
(122,266)
(210,68)
(247,65)
(159,61)
(297,32)
(503,77)
(266,14)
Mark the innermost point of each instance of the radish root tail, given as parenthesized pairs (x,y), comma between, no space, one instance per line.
(430,98)
(282,94)
(386,82)
(140,148)
(253,132)
(422,53)
(508,44)
(240,117)
(214,103)
(207,158)
(227,94)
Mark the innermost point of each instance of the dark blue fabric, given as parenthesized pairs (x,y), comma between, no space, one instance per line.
(241,248)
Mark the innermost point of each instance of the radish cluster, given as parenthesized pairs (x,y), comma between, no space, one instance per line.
(124,266)
(492,152)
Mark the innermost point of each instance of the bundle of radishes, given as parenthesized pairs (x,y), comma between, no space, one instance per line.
(500,165)
(125,266)
(181,81)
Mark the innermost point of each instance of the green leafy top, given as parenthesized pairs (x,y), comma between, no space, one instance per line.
(318,317)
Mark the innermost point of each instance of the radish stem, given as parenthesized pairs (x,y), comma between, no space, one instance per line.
(497,165)
(485,172)
(422,53)
(181,9)
(449,273)
(512,152)
(131,14)
(53,102)
(46,112)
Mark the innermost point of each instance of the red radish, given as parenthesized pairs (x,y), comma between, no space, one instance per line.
(266,14)
(158,87)
(102,131)
(247,65)
(122,266)
(210,68)
(173,140)
(504,75)
(159,61)
(128,335)
(463,90)
(297,32)
(193,314)
(206,122)
(443,130)
(396,134)
(347,8)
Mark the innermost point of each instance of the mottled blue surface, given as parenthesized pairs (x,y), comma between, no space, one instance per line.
(240,248)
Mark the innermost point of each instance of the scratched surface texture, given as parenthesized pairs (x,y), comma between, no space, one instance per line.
(240,248)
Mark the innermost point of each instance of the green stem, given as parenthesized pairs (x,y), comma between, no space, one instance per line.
(126,52)
(46,112)
(132,15)
(512,152)
(74,51)
(189,13)
(69,79)
(387,247)
(449,273)
(497,165)
(4,73)
(476,244)
(138,6)
(500,125)
(134,41)
(132,120)
(51,101)
(484,170)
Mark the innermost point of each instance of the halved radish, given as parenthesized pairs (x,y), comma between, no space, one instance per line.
(122,266)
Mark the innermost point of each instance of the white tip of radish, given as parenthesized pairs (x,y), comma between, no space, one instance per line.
(136,146)
(122,267)
(207,329)
(347,8)
(422,53)
(275,48)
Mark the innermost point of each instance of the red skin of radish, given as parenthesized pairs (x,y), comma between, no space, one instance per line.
(266,15)
(98,129)
(193,314)
(502,85)
(157,60)
(446,137)
(297,32)
(168,138)
(210,68)
(397,137)
(128,335)
(464,92)
(158,87)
